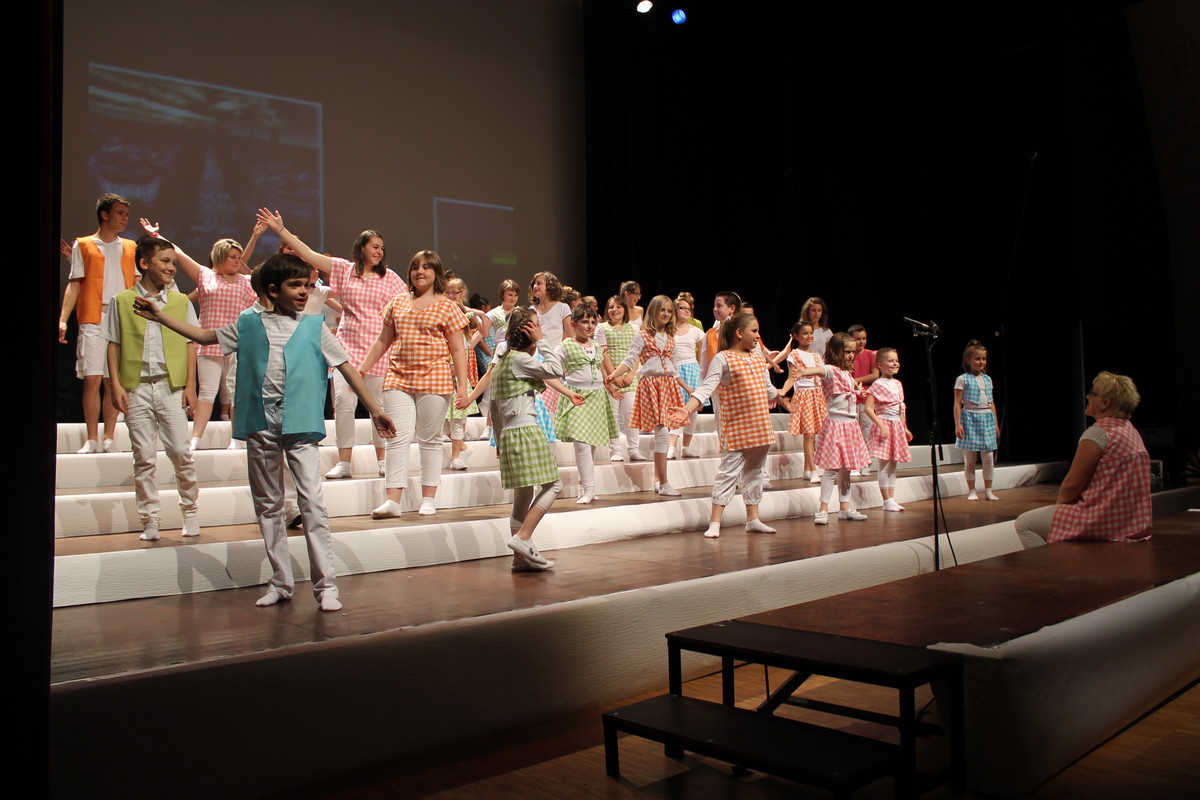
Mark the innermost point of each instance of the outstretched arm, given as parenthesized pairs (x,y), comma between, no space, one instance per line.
(274,221)
(189,264)
(145,307)
(260,228)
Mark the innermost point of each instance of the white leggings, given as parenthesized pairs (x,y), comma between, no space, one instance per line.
(623,409)
(841,477)
(887,474)
(989,464)
(345,401)
(420,415)
(210,375)
(456,429)
(662,438)
(585,463)
(526,497)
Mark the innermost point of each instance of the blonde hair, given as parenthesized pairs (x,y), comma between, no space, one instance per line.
(882,353)
(835,351)
(1119,391)
(220,251)
(461,286)
(730,327)
(650,318)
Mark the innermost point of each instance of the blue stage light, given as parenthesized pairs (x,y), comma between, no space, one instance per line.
(678,16)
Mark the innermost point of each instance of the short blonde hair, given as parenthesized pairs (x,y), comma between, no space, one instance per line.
(220,251)
(1119,391)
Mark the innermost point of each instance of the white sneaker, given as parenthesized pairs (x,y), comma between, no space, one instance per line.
(340,471)
(527,549)
(891,505)
(236,444)
(821,518)
(636,455)
(852,514)
(814,477)
(191,526)
(687,453)
(614,457)
(865,471)
(90,446)
(854,473)
(521,564)
(666,490)
(587,497)
(671,453)
(487,434)
(149,533)
(458,464)
(389,510)
(428,507)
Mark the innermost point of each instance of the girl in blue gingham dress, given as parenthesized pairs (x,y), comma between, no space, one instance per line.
(527,464)
(975,423)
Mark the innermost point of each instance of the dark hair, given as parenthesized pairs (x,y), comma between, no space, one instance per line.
(148,246)
(731,299)
(279,268)
(554,287)
(356,253)
(800,324)
(616,298)
(433,260)
(509,285)
(583,310)
(476,300)
(516,337)
(824,320)
(973,346)
(257,285)
(853,329)
(105,202)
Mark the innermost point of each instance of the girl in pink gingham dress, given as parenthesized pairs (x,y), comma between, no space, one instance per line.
(364,287)
(890,436)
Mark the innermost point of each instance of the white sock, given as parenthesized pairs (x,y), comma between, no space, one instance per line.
(758,526)
(714,530)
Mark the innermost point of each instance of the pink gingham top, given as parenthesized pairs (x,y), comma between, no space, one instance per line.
(220,301)
(420,357)
(363,298)
(1115,506)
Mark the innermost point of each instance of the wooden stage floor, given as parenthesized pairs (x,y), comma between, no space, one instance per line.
(135,635)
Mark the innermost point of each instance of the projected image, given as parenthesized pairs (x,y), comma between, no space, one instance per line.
(198,157)
(476,240)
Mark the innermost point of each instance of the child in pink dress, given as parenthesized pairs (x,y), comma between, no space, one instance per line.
(890,436)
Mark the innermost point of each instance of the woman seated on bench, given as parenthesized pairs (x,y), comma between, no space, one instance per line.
(1106,494)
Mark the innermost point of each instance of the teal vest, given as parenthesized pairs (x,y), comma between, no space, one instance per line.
(306,377)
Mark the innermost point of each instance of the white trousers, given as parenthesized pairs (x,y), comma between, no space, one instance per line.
(157,412)
(265,454)
(743,467)
(1034,526)
(623,411)
(210,375)
(345,401)
(420,416)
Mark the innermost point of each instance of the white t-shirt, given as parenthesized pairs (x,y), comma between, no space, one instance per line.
(114,277)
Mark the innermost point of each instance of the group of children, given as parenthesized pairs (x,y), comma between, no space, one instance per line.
(636,370)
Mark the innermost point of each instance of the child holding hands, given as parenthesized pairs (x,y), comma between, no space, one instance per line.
(281,383)
(890,437)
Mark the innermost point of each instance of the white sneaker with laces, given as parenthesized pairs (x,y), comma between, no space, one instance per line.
(340,471)
(852,514)
(821,518)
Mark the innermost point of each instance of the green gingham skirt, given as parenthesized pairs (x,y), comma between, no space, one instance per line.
(592,423)
(526,458)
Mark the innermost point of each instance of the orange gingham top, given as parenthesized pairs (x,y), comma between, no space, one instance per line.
(744,392)
(420,356)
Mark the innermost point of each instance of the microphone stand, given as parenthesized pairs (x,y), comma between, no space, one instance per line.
(930,332)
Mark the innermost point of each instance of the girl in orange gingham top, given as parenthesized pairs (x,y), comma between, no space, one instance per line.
(737,374)
(363,287)
(659,383)
(422,334)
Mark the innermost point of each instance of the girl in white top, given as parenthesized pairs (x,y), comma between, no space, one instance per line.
(659,383)
(554,316)
(816,311)
(808,402)
(631,292)
(688,338)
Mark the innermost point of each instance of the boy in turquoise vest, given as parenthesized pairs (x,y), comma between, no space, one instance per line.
(284,358)
(153,380)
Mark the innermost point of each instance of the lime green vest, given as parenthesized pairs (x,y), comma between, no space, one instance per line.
(133,341)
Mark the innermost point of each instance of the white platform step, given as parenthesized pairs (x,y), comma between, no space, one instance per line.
(156,571)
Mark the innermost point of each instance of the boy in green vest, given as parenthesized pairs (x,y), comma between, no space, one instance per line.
(282,377)
(153,380)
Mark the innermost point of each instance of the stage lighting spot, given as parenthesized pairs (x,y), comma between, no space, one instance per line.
(678,16)
(644,6)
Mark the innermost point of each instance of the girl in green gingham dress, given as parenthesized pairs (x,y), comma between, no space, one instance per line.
(617,334)
(587,420)
(527,464)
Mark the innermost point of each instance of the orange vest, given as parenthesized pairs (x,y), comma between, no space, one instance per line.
(745,419)
(90,304)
